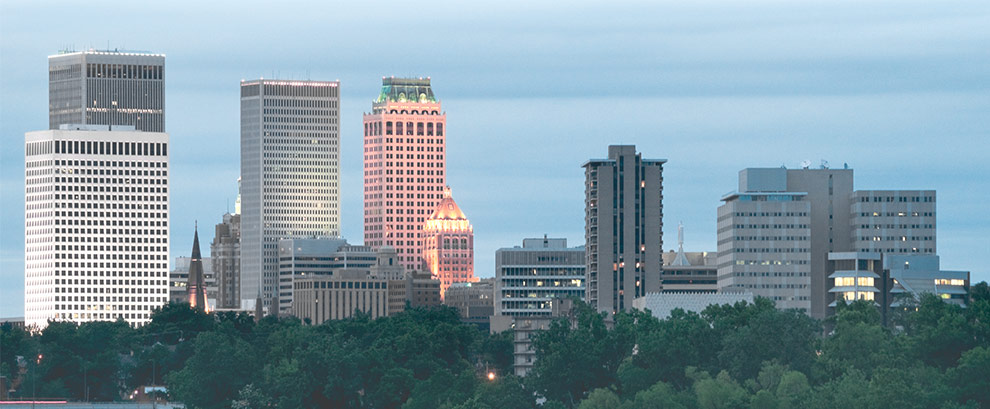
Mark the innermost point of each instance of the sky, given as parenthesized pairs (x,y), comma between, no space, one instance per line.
(898,90)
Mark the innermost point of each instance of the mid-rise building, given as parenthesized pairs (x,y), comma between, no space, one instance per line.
(104,87)
(319,298)
(290,170)
(448,244)
(404,166)
(225,261)
(302,258)
(416,289)
(529,277)
(96,224)
(775,232)
(893,221)
(786,232)
(689,272)
(623,227)
(332,297)
(474,301)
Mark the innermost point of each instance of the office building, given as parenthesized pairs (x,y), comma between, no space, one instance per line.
(623,227)
(289,173)
(689,272)
(779,231)
(404,166)
(893,221)
(416,289)
(103,87)
(225,261)
(96,224)
(775,232)
(320,298)
(301,258)
(474,301)
(529,277)
(448,244)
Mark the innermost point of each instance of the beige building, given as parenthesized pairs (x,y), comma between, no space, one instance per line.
(475,301)
(418,289)
(623,227)
(322,298)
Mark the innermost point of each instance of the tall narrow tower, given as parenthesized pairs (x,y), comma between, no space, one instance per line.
(404,166)
(196,284)
(290,170)
(448,244)
(623,227)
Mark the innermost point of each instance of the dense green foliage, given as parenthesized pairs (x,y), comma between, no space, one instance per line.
(730,356)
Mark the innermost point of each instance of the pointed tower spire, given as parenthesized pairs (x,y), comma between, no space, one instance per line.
(196,285)
(681,259)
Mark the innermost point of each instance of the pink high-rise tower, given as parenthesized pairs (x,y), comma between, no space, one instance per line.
(404,166)
(448,244)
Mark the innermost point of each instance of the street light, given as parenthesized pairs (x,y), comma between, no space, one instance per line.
(491,376)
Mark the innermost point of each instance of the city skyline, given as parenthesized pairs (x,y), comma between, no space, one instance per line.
(932,116)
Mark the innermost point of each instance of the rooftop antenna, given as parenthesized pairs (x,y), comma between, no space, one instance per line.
(805,164)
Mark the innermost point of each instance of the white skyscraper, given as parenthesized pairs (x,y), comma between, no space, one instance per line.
(96,224)
(107,87)
(289,173)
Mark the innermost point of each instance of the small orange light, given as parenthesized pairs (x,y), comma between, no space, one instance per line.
(491,376)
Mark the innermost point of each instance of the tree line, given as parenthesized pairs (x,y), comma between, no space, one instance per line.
(747,355)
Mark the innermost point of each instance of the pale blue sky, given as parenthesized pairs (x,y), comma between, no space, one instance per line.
(899,90)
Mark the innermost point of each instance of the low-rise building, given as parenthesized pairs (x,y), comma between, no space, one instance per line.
(689,272)
(661,305)
(417,289)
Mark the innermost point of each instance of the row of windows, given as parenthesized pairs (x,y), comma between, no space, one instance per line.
(896,238)
(897,226)
(131,71)
(773,250)
(770,274)
(896,214)
(899,199)
(420,128)
(771,214)
(771,238)
(111,148)
(771,226)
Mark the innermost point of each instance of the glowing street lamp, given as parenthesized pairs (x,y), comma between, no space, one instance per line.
(491,376)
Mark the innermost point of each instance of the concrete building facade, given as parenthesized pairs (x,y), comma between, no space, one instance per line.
(103,87)
(529,277)
(404,166)
(290,171)
(96,224)
(225,261)
(623,227)
(302,258)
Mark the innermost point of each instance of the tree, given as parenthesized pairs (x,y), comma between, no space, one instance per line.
(971,378)
(223,364)
(579,357)
(939,332)
(601,399)
(721,392)
(661,396)
(769,334)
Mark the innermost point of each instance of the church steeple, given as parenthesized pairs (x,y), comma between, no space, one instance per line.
(196,286)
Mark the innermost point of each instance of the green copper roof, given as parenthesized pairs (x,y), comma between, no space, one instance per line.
(406,90)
